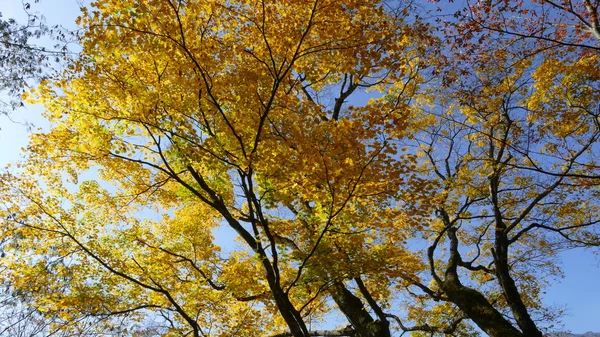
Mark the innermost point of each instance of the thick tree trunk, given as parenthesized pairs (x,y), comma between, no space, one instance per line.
(511,292)
(472,302)
(353,308)
(287,310)
(479,310)
(500,254)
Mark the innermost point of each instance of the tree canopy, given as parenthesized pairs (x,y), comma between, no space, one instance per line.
(23,58)
(411,172)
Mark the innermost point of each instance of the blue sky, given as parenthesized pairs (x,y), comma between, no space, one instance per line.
(578,292)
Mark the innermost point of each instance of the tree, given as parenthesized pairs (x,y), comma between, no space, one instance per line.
(209,114)
(515,146)
(23,60)
(192,117)
(22,63)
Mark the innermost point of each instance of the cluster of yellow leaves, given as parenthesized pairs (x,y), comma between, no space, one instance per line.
(166,92)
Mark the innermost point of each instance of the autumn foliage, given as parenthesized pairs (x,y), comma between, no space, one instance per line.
(250,168)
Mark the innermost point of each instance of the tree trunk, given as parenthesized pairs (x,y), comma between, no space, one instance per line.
(479,310)
(500,254)
(472,302)
(287,310)
(353,308)
(509,287)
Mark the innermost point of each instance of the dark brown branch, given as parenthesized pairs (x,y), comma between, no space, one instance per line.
(346,332)
(130,310)
(448,330)
(372,303)
(344,94)
(560,231)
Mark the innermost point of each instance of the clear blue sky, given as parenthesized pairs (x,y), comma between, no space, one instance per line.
(579,291)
